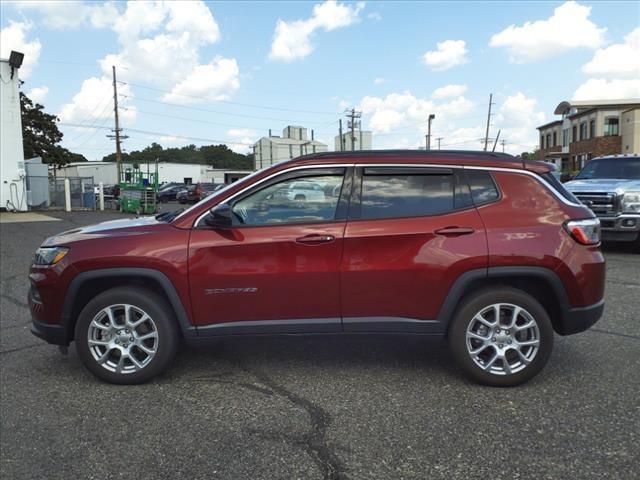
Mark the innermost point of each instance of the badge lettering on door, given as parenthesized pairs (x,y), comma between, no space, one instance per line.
(216,291)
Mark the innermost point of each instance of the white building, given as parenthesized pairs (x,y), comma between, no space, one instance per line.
(107,172)
(363,141)
(12,171)
(293,143)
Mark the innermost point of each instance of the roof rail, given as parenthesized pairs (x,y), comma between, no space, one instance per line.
(414,153)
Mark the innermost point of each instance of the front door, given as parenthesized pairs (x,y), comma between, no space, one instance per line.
(277,268)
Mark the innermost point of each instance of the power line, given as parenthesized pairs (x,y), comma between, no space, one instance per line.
(176,135)
(229,102)
(200,109)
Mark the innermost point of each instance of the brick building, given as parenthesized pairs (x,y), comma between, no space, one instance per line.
(589,129)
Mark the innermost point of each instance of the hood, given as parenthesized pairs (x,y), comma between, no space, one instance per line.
(603,185)
(121,227)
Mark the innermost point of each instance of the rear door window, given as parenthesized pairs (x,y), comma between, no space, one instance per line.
(395,192)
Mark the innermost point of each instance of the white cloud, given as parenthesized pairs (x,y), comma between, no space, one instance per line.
(386,114)
(94,102)
(242,132)
(160,46)
(70,14)
(292,40)
(13,37)
(449,54)
(568,28)
(449,91)
(518,117)
(215,81)
(603,89)
(619,60)
(244,138)
(375,16)
(379,81)
(38,94)
(171,139)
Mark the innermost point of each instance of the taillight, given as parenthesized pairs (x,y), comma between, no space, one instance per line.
(586,232)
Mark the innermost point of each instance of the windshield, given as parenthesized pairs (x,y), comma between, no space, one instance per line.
(611,168)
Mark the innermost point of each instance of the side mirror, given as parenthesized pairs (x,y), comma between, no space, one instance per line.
(219,216)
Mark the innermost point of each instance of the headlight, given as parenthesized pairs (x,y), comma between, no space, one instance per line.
(50,255)
(631,202)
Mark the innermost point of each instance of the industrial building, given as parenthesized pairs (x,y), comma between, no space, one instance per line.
(107,172)
(293,143)
(13,187)
(363,141)
(589,129)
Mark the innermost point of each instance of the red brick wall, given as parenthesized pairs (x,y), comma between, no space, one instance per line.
(597,146)
(544,151)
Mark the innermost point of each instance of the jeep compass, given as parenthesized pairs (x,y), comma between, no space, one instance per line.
(483,249)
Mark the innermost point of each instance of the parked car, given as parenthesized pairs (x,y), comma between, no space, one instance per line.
(610,187)
(481,248)
(168,193)
(182,196)
(197,192)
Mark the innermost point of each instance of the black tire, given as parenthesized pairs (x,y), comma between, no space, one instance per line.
(476,302)
(156,307)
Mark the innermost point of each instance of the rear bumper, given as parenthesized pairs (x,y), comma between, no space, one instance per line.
(576,320)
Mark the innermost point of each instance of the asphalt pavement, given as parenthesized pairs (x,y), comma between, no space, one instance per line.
(322,407)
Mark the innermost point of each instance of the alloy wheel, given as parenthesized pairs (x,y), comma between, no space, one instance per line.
(122,338)
(503,338)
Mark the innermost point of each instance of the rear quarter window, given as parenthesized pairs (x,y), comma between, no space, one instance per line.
(483,188)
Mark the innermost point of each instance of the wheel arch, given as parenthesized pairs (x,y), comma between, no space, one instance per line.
(90,283)
(541,283)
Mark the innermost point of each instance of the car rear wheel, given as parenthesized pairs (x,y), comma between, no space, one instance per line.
(125,335)
(501,337)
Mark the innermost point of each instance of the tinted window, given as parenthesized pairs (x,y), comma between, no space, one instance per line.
(483,189)
(627,168)
(411,195)
(312,199)
(555,183)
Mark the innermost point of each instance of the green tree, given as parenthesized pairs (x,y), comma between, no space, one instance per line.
(41,136)
(535,155)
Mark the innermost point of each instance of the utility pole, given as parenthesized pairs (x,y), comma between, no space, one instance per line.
(353,123)
(503,142)
(438,139)
(429,120)
(486,136)
(341,137)
(118,138)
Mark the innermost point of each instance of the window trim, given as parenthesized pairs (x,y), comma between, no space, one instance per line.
(307,171)
(519,171)
(355,208)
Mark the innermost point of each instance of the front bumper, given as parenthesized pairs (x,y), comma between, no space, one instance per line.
(623,228)
(55,334)
(576,320)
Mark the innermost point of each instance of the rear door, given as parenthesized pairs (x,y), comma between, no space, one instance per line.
(411,232)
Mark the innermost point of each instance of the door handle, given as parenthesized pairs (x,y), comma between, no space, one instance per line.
(315,239)
(454,231)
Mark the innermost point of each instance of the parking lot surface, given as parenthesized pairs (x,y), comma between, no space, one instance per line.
(325,407)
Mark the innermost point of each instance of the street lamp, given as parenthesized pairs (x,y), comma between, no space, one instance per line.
(428,138)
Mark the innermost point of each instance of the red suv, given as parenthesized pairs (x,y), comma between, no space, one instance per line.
(484,249)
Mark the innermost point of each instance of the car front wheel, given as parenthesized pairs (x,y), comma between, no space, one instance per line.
(126,336)
(501,337)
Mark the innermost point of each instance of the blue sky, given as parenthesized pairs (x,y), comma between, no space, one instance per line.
(193,72)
